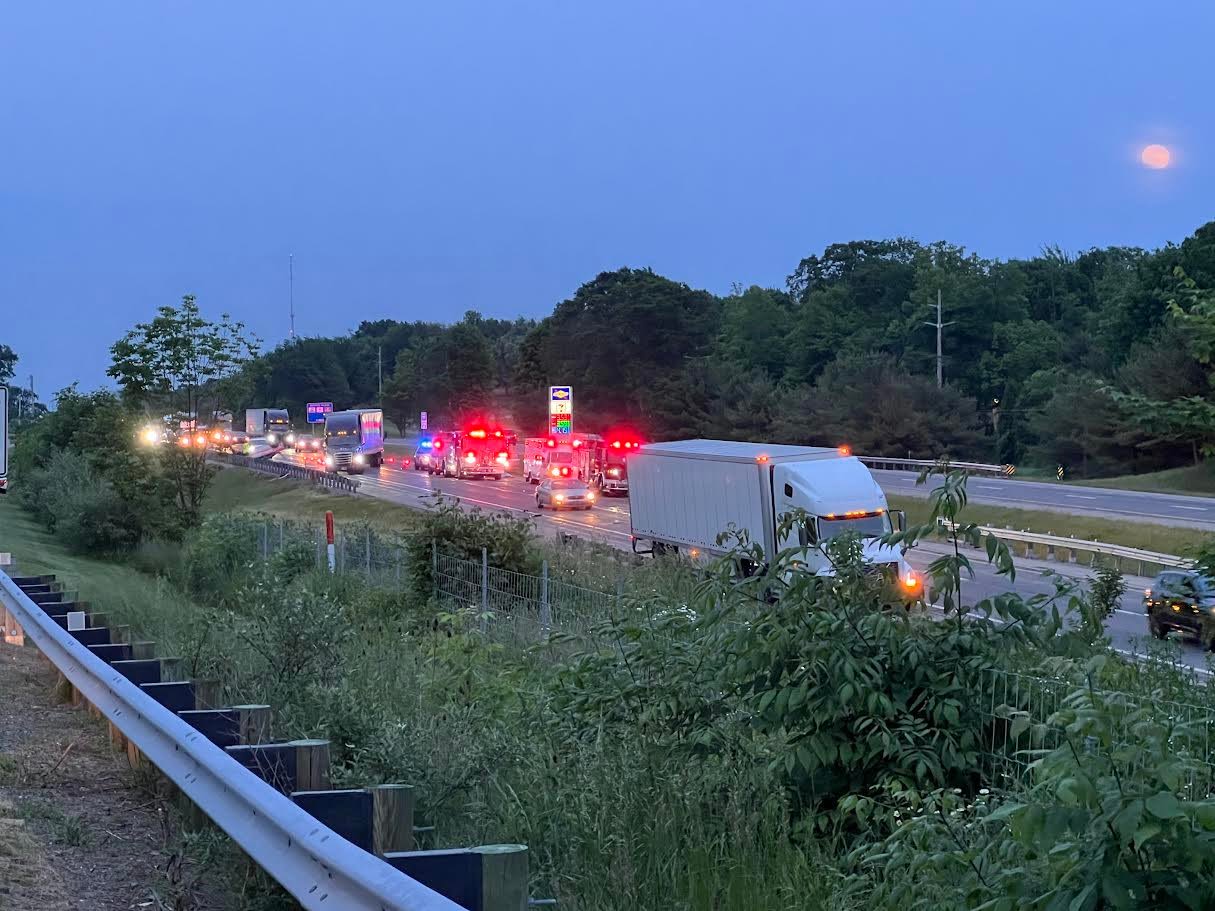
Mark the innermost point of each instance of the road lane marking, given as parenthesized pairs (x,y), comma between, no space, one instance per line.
(1078,496)
(1195,508)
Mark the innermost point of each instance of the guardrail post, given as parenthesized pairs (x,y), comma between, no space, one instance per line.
(484,590)
(311,765)
(546,610)
(392,818)
(503,877)
(253,723)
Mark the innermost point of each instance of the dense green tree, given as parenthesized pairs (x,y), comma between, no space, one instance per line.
(617,338)
(754,330)
(8,363)
(873,404)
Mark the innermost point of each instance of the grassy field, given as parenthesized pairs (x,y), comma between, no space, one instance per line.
(1194,480)
(1165,539)
(236,490)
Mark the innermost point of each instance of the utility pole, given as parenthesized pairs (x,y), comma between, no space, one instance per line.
(940,354)
(291,291)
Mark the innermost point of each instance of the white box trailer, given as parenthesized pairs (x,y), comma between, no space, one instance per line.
(683,495)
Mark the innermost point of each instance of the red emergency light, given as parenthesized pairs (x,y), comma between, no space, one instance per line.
(550,443)
(477,434)
(438,444)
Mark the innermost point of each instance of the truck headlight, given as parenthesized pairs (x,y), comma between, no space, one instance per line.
(328,461)
(359,458)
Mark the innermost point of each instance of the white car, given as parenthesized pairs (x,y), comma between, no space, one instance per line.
(564,493)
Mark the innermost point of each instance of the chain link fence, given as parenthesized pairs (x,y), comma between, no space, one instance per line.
(510,606)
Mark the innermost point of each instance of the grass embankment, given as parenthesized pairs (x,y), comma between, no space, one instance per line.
(1165,539)
(237,490)
(1193,480)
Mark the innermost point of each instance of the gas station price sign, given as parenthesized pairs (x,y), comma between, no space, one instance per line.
(561,411)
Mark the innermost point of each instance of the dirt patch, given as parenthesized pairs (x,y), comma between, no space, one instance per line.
(78,828)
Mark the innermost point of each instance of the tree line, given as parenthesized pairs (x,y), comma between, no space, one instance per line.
(1099,362)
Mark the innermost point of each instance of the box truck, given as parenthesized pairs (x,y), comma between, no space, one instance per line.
(354,440)
(682,495)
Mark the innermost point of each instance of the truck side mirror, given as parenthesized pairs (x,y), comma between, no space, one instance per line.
(898,519)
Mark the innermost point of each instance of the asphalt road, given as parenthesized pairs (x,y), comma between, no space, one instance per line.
(1139,506)
(608,523)
(1135,505)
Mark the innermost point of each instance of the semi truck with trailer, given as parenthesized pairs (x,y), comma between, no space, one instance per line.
(271,424)
(354,440)
(683,495)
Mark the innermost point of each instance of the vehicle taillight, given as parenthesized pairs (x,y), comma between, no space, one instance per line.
(550,443)
(565,472)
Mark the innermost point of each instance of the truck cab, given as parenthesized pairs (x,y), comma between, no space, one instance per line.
(354,440)
(840,496)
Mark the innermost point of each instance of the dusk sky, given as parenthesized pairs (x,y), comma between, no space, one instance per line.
(420,160)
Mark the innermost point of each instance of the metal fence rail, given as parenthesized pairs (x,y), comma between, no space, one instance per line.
(1069,549)
(896,464)
(330,479)
(312,862)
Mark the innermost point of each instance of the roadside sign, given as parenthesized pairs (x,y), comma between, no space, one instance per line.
(422,423)
(317,411)
(3,433)
(561,411)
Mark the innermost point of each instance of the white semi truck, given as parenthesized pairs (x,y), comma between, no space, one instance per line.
(683,495)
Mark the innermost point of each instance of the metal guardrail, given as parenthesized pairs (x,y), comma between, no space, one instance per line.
(895,464)
(1054,544)
(329,479)
(312,862)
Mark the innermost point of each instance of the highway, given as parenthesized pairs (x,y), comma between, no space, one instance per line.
(1136,505)
(608,523)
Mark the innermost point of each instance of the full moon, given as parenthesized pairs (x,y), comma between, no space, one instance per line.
(1155,157)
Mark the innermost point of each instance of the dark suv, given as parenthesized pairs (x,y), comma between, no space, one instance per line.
(1182,600)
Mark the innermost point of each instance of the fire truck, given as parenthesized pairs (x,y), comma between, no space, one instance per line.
(613,475)
(547,457)
(476,452)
